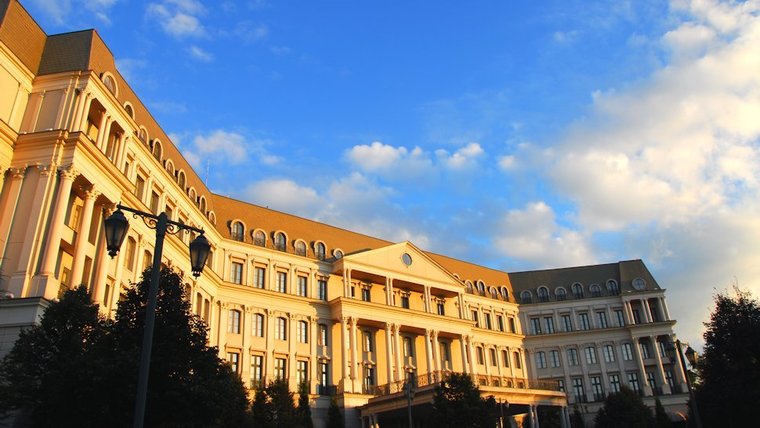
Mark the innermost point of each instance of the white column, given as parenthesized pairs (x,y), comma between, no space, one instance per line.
(344,344)
(388,352)
(603,365)
(222,328)
(101,271)
(83,233)
(314,367)
(354,354)
(429,355)
(9,200)
(665,311)
(437,365)
(269,358)
(292,339)
(470,352)
(399,362)
(642,370)
(678,367)
(647,310)
(56,221)
(566,370)
(660,370)
(246,325)
(463,345)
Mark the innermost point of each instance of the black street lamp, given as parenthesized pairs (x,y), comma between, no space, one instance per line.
(116,226)
(409,390)
(691,354)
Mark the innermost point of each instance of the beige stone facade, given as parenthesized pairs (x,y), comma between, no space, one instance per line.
(352,315)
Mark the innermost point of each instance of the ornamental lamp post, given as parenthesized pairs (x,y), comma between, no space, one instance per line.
(691,354)
(116,226)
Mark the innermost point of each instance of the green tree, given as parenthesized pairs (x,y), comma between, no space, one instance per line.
(728,394)
(334,417)
(624,409)
(260,409)
(549,417)
(189,384)
(661,418)
(52,370)
(457,403)
(304,410)
(576,418)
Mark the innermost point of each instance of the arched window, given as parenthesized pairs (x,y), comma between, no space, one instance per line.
(543,294)
(494,293)
(526,297)
(260,238)
(481,287)
(258,325)
(504,293)
(300,248)
(319,250)
(468,286)
(130,111)
(142,134)
(212,217)
(157,150)
(191,194)
(338,253)
(561,293)
(280,241)
(233,322)
(281,329)
(577,291)
(181,179)
(595,290)
(110,83)
(237,230)
(169,165)
(202,204)
(612,287)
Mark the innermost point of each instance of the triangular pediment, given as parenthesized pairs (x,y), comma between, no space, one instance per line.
(402,260)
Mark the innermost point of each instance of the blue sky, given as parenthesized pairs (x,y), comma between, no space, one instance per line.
(518,135)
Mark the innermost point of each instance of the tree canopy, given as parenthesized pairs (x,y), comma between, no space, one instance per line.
(624,409)
(729,369)
(457,403)
(74,368)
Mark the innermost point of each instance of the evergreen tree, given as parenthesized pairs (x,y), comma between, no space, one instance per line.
(457,403)
(282,409)
(334,417)
(304,410)
(624,409)
(260,409)
(576,418)
(52,370)
(661,417)
(728,394)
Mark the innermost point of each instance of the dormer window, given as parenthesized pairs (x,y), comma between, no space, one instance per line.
(612,287)
(260,238)
(280,241)
(560,293)
(595,290)
(319,250)
(526,297)
(300,248)
(543,294)
(577,291)
(236,231)
(338,253)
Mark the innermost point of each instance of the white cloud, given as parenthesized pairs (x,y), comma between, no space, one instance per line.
(178,18)
(464,158)
(507,163)
(224,147)
(200,54)
(565,36)
(284,195)
(61,10)
(250,32)
(532,234)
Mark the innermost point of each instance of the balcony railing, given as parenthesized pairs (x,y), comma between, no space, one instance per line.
(436,377)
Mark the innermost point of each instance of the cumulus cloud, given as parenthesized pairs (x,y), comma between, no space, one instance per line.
(250,32)
(220,146)
(533,234)
(285,195)
(464,158)
(178,18)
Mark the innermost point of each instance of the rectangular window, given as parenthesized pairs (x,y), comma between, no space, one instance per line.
(369,376)
(609,354)
(302,372)
(541,360)
(636,316)
(652,381)
(662,348)
(567,322)
(669,378)
(169,212)
(601,318)
(535,326)
(233,322)
(233,358)
(620,318)
(405,301)
(633,382)
(368,345)
(492,354)
(512,325)
(488,321)
(441,308)
(596,388)
(561,385)
(518,361)
(481,357)
(627,352)
(257,371)
(500,322)
(154,200)
(408,347)
(236,273)
(302,286)
(578,390)
(365,294)
(505,358)
(554,357)
(549,324)
(303,332)
(572,356)
(475,318)
(644,350)
(282,282)
(280,368)
(614,383)
(445,354)
(140,187)
(322,289)
(259,277)
(129,260)
(590,355)
(585,325)
(323,370)
(322,337)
